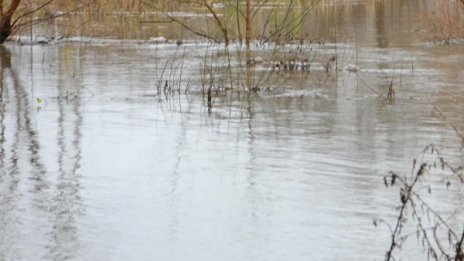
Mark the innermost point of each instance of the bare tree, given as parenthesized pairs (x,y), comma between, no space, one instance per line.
(9,11)
(248,24)
(6,14)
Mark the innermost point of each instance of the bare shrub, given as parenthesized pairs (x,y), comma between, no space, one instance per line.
(438,238)
(445,19)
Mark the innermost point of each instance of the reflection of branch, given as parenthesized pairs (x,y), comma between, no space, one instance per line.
(25,127)
(66,203)
(2,105)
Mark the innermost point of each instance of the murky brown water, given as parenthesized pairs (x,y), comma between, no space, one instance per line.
(96,165)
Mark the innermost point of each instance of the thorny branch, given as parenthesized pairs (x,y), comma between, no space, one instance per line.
(410,198)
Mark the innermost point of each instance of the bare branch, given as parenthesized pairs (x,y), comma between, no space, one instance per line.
(18,24)
(218,21)
(191,29)
(31,12)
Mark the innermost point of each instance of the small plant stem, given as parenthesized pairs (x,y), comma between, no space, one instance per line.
(459,252)
(404,201)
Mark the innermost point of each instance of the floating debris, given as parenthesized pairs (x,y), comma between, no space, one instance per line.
(157,40)
(352,68)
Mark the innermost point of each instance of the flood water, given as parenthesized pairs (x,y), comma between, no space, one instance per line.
(95,164)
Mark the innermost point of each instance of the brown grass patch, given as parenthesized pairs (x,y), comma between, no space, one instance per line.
(445,19)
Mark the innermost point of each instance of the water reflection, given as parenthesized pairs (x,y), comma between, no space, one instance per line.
(31,194)
(380,17)
(24,169)
(9,215)
(67,204)
(5,63)
(128,175)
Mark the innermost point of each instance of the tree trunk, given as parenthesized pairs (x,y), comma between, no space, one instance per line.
(248,24)
(5,20)
(5,28)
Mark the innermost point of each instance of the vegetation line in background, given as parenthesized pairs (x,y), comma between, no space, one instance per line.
(445,18)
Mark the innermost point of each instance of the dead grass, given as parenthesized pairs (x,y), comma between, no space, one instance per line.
(445,19)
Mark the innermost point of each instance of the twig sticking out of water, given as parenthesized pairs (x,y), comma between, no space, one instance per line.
(169,78)
(431,226)
(391,92)
(210,104)
(328,65)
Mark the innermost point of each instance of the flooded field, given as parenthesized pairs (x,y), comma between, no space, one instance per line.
(110,150)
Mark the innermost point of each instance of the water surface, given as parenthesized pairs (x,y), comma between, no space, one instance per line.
(95,164)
